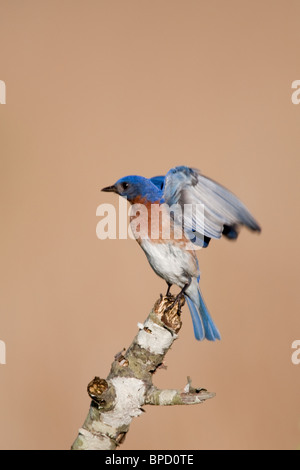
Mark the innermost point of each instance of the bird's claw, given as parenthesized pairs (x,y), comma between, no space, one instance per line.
(179,300)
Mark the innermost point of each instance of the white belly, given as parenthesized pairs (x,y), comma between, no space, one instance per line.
(169,261)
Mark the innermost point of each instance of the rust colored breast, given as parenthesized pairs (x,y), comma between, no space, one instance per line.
(153,221)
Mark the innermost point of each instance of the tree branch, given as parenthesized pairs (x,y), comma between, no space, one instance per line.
(128,387)
(176,397)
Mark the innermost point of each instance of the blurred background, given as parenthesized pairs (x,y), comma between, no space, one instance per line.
(97,90)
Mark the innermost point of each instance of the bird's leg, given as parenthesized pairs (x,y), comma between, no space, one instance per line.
(182,292)
(179,296)
(168,293)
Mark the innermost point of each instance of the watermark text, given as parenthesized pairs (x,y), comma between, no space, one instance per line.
(296,354)
(296,94)
(2,353)
(2,92)
(159,222)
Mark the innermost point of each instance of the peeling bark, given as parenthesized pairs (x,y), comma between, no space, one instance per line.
(128,387)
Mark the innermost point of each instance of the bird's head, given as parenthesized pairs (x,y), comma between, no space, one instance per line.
(135,189)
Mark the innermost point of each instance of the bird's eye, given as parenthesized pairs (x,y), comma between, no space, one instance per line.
(125,186)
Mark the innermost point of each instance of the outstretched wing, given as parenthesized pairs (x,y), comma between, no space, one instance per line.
(222,211)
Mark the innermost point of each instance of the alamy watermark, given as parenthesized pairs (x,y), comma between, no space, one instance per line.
(296,94)
(159,222)
(2,92)
(296,354)
(2,352)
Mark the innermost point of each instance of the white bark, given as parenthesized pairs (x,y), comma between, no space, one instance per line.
(120,398)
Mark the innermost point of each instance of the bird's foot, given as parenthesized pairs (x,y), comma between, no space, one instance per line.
(177,301)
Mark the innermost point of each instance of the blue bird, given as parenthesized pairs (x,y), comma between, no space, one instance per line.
(174,258)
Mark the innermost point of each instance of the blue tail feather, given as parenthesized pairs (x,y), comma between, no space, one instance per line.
(203,324)
(197,323)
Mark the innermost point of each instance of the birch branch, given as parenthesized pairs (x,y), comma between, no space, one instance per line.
(120,397)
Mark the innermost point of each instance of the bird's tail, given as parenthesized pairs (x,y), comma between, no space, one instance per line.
(203,324)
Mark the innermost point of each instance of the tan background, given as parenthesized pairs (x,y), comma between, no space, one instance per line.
(100,89)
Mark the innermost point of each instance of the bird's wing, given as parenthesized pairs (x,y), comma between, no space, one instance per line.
(220,208)
(158,181)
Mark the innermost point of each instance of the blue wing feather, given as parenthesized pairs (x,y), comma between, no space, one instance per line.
(223,212)
(159,181)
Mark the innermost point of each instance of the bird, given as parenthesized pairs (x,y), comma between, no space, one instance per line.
(174,258)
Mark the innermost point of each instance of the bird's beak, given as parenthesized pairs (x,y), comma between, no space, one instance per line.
(110,189)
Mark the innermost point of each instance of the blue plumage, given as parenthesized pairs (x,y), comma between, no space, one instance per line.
(203,324)
(172,259)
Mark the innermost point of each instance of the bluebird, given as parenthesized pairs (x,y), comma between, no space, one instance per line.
(174,258)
